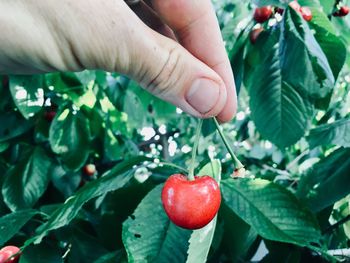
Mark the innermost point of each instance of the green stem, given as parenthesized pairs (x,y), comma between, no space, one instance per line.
(236,162)
(336,225)
(194,150)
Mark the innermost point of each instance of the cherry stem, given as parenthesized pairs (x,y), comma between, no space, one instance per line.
(238,165)
(194,150)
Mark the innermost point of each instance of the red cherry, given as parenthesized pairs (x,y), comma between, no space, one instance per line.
(7,252)
(343,11)
(295,5)
(254,34)
(191,204)
(262,14)
(50,115)
(279,10)
(89,169)
(306,13)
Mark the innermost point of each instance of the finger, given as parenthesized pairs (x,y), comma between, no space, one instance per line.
(169,71)
(151,19)
(196,27)
(66,38)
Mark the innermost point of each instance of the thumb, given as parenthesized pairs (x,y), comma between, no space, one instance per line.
(170,72)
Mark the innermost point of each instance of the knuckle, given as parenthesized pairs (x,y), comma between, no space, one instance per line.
(166,74)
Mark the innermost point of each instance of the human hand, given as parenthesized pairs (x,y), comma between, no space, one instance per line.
(190,70)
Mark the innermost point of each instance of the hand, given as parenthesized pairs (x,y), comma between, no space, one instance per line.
(190,70)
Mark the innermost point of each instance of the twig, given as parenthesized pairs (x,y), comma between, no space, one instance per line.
(297,159)
(336,225)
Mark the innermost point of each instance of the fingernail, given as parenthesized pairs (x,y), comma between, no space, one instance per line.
(203,95)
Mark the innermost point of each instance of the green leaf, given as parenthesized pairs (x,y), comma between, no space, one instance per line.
(201,239)
(132,106)
(336,133)
(213,169)
(15,126)
(282,3)
(208,127)
(85,77)
(82,246)
(279,252)
(64,82)
(10,224)
(327,182)
(238,235)
(111,181)
(70,138)
(271,210)
(26,182)
(41,254)
(112,257)
(27,93)
(161,111)
(65,182)
(326,4)
(283,95)
(279,111)
(331,44)
(149,236)
(237,58)
(4,146)
(342,211)
(298,46)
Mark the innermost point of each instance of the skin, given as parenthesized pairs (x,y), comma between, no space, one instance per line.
(173,48)
(191,204)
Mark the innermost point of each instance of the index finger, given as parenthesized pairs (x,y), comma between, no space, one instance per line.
(196,27)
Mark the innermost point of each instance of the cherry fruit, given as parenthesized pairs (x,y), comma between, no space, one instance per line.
(303,10)
(89,169)
(254,34)
(343,11)
(6,254)
(191,204)
(279,10)
(50,115)
(306,13)
(295,5)
(262,14)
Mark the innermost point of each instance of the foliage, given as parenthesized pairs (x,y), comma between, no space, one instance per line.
(291,132)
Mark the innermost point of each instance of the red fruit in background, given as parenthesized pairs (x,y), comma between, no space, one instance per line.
(279,10)
(262,14)
(343,11)
(306,13)
(89,169)
(254,34)
(5,81)
(50,115)
(7,252)
(191,204)
(295,5)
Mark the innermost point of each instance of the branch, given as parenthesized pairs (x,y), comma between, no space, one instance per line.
(336,225)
